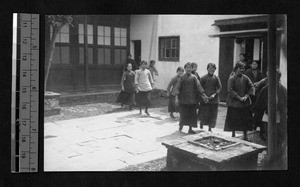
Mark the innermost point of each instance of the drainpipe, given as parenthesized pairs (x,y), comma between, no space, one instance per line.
(272,91)
(86,58)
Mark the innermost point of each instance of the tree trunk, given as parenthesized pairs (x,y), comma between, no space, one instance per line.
(49,55)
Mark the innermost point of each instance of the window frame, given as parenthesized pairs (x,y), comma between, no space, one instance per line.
(169,38)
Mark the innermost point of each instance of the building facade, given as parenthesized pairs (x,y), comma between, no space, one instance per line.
(108,45)
(170,40)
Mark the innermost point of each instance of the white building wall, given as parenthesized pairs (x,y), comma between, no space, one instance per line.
(195,43)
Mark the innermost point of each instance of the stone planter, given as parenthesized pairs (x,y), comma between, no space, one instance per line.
(51,104)
(195,153)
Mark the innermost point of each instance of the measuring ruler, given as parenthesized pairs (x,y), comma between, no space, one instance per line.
(25,126)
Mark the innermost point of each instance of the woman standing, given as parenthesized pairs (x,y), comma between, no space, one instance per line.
(212,87)
(144,84)
(126,97)
(253,73)
(186,92)
(171,92)
(239,115)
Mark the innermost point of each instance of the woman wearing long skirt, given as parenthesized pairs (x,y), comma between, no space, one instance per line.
(187,89)
(126,97)
(239,115)
(172,107)
(144,83)
(212,87)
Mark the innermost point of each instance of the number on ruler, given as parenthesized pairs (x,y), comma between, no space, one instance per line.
(24,24)
(23,155)
(25,41)
(33,129)
(23,139)
(24,73)
(24,58)
(24,90)
(33,88)
(24,107)
(24,123)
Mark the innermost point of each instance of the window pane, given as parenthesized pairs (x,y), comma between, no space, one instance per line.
(117,41)
(162,50)
(90,29)
(177,53)
(107,56)
(65,29)
(117,32)
(91,56)
(167,53)
(81,55)
(100,41)
(101,56)
(173,45)
(65,55)
(107,40)
(123,56)
(90,39)
(81,39)
(107,31)
(173,54)
(56,55)
(64,38)
(117,56)
(123,41)
(100,31)
(123,33)
(57,39)
(80,28)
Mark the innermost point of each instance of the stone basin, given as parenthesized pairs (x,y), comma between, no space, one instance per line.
(207,151)
(213,142)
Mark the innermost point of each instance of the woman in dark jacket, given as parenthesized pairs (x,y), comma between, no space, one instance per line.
(127,95)
(212,87)
(253,73)
(186,92)
(239,115)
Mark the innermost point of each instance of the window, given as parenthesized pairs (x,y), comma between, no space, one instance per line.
(103,35)
(81,55)
(103,56)
(89,34)
(120,56)
(169,48)
(63,35)
(120,36)
(61,55)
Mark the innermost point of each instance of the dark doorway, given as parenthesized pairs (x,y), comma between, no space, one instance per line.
(225,64)
(137,51)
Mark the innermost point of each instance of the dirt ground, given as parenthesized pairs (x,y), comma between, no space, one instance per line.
(87,109)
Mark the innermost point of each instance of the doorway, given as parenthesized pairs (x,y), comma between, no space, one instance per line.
(137,51)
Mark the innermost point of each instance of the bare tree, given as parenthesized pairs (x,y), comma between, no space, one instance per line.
(56,22)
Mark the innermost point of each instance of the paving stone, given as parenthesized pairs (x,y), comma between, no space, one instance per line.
(133,160)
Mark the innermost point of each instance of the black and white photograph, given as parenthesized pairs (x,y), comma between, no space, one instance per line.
(165,92)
